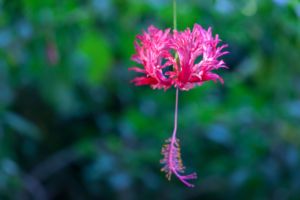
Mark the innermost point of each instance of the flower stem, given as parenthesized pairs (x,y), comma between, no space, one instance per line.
(177,90)
(174,15)
(175,115)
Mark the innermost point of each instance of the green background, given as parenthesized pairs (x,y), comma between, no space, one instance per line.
(73,127)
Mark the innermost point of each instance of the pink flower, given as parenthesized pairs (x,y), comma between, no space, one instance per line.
(183,60)
(190,46)
(152,51)
(198,55)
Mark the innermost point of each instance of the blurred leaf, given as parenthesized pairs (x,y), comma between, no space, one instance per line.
(21,125)
(87,147)
(98,56)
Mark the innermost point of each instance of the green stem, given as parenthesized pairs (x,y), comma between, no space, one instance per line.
(174,15)
(175,21)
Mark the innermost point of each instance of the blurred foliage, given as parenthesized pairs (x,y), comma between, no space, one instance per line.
(73,127)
